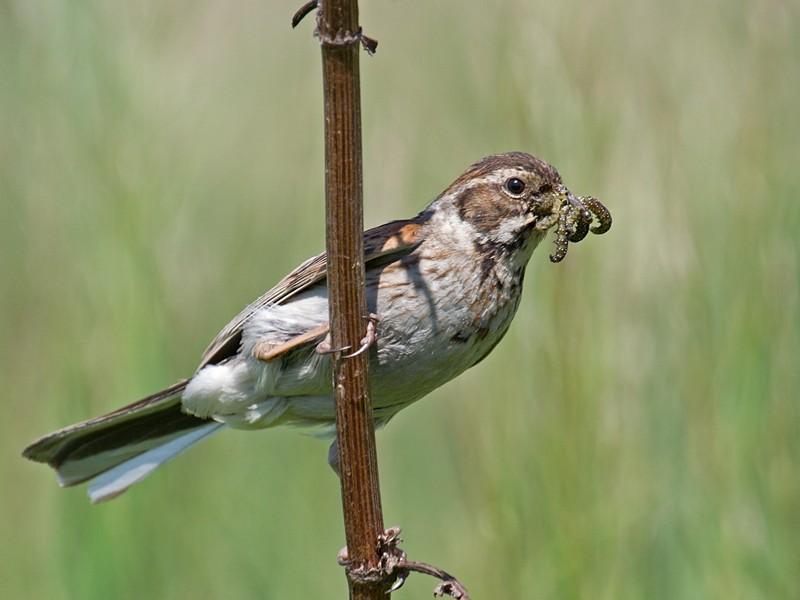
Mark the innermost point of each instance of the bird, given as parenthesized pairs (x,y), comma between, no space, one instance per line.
(442,289)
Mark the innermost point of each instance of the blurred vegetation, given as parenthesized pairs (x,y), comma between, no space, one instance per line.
(636,435)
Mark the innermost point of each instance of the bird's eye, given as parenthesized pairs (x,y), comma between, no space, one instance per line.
(515,186)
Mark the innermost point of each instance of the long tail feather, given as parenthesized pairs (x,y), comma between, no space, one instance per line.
(124,446)
(112,483)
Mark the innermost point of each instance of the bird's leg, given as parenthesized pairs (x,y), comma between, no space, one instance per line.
(333,458)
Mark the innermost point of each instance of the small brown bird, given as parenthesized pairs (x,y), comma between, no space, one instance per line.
(444,287)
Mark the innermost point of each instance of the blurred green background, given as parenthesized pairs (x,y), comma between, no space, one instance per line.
(636,435)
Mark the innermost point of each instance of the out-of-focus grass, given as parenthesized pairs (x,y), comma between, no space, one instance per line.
(637,433)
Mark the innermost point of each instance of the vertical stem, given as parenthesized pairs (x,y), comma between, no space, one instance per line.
(363,519)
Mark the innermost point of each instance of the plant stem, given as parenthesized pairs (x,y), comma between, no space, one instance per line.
(363,519)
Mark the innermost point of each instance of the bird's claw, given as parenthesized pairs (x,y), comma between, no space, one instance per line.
(324,347)
(370,338)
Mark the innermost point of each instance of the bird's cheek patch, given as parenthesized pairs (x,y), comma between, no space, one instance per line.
(479,206)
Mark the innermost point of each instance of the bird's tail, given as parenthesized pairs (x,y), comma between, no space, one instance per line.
(116,450)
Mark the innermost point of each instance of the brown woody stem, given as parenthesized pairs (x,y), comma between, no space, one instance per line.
(339,35)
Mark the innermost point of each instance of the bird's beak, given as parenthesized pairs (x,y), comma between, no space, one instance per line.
(569,197)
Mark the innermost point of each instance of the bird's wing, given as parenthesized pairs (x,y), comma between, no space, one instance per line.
(395,238)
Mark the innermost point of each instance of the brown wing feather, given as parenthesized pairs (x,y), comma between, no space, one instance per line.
(397,237)
(266,351)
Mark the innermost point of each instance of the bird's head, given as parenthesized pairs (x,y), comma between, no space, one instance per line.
(512,199)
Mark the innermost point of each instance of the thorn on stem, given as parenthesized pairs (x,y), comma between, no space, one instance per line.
(303,11)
